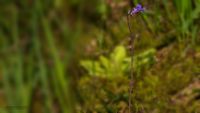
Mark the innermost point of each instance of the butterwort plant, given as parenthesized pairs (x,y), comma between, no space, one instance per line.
(134,11)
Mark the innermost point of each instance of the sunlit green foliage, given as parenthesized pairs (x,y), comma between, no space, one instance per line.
(117,63)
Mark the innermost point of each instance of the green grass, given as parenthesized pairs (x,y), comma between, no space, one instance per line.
(24,72)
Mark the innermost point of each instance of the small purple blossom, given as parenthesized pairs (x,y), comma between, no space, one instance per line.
(136,10)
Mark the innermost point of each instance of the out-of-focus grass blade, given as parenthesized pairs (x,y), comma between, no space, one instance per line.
(7,85)
(17,66)
(61,81)
(42,68)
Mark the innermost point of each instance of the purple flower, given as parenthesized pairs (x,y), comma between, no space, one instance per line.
(136,10)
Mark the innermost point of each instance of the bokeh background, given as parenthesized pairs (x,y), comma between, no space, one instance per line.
(71,56)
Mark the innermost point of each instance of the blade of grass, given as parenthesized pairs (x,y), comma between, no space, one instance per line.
(18,67)
(59,70)
(60,83)
(42,68)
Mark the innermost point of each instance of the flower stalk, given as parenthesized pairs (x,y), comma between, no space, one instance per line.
(132,12)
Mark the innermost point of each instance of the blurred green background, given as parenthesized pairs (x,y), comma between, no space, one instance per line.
(71,56)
